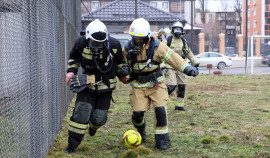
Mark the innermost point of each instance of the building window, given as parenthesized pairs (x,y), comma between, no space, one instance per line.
(254,23)
(248,2)
(254,11)
(153,4)
(248,12)
(248,25)
(94,5)
(165,5)
(210,16)
(254,2)
(255,33)
(267,20)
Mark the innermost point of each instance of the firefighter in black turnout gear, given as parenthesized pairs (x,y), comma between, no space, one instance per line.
(101,59)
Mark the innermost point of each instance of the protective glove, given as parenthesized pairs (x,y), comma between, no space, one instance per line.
(123,80)
(80,82)
(77,89)
(197,66)
(191,71)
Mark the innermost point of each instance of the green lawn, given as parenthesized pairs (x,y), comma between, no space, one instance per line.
(228,116)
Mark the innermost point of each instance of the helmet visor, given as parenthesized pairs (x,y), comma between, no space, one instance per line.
(95,44)
(177,31)
(139,42)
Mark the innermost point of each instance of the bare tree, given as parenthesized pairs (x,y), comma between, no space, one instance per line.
(202,4)
(238,10)
(224,5)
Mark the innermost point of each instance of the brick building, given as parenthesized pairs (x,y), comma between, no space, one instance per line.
(258,11)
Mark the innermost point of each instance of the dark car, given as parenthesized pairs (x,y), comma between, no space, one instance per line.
(266,60)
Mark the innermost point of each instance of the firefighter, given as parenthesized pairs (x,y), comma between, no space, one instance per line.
(144,55)
(101,59)
(162,35)
(176,78)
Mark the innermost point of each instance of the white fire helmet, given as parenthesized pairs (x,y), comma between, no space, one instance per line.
(140,28)
(96,33)
(140,32)
(177,29)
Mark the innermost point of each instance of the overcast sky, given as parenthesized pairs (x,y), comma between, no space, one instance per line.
(217,5)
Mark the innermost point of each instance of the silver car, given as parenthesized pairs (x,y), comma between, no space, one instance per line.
(216,59)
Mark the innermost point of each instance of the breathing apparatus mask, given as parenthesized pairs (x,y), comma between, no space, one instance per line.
(97,44)
(161,37)
(139,42)
(95,47)
(178,31)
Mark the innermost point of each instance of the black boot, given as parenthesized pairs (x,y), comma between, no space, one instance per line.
(92,132)
(180,108)
(143,134)
(69,149)
(74,140)
(162,141)
(141,130)
(137,120)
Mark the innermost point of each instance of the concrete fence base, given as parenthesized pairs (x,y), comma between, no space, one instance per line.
(240,62)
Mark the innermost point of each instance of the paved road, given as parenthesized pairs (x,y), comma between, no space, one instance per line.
(238,70)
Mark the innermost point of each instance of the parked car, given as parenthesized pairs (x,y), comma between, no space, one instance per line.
(216,59)
(266,60)
(234,55)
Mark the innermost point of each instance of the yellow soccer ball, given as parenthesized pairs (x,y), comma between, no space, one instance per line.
(132,139)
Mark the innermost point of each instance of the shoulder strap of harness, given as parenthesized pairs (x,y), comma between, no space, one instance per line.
(153,45)
(184,42)
(169,41)
(108,44)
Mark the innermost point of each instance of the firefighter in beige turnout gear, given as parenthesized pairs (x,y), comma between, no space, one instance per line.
(162,36)
(173,77)
(144,55)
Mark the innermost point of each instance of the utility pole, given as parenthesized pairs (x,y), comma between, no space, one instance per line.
(246,36)
(180,8)
(191,31)
(136,15)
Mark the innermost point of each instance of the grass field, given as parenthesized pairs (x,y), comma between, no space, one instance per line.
(227,116)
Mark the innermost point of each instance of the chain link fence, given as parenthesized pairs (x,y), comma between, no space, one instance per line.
(35,39)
